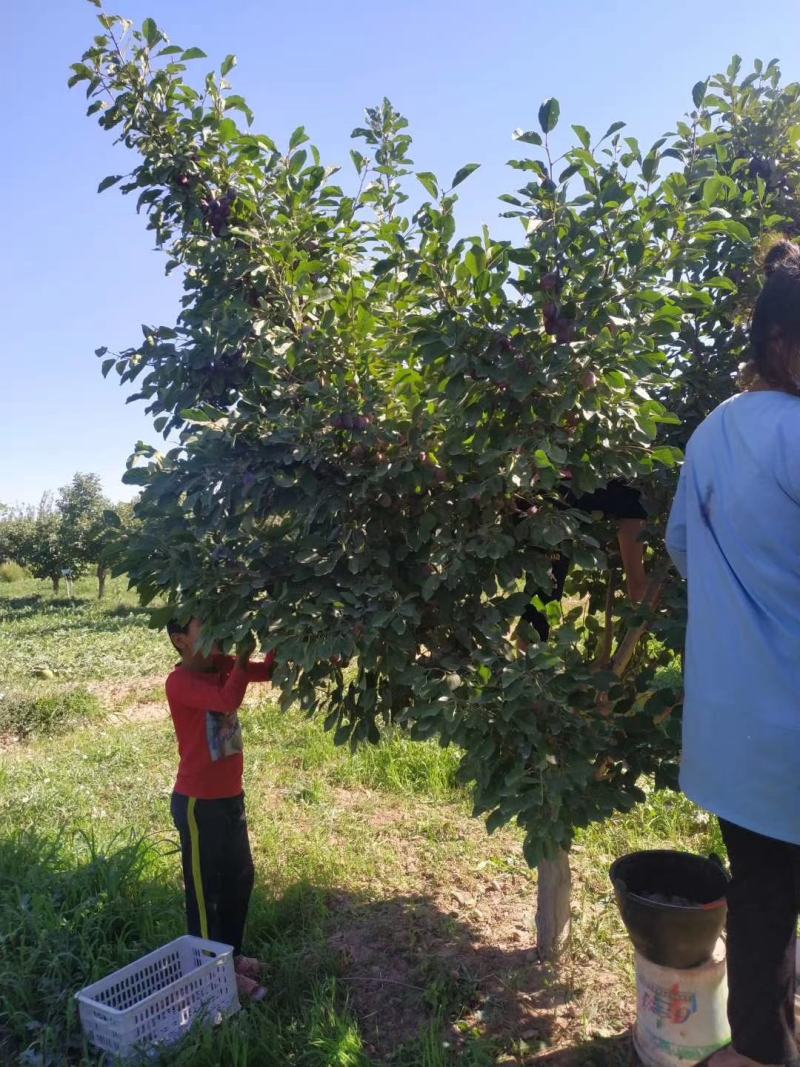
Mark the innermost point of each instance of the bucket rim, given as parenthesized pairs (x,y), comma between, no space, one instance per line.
(720,902)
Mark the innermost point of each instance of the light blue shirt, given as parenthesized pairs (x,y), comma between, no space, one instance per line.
(734,532)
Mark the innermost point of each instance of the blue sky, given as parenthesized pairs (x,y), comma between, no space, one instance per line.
(78,270)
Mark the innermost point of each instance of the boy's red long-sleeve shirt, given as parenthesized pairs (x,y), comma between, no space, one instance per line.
(203,709)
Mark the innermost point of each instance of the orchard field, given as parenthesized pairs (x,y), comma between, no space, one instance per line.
(396,931)
(382,437)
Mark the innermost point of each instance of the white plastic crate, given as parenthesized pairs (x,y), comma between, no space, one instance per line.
(155,1000)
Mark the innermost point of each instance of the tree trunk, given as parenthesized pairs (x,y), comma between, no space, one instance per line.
(102,573)
(553,905)
(56,583)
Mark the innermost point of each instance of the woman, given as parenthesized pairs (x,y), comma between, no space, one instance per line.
(734,533)
(618,501)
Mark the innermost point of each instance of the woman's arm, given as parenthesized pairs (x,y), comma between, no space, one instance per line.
(629,532)
(676,527)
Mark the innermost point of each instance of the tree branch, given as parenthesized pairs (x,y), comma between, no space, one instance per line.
(627,646)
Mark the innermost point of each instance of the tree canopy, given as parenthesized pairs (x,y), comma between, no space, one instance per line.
(375,420)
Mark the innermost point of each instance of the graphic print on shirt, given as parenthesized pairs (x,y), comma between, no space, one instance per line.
(224,735)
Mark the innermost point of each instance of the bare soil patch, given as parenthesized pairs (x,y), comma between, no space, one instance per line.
(459,943)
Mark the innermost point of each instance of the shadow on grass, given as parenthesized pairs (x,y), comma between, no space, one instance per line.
(126,611)
(419,977)
(98,624)
(36,602)
(20,604)
(352,981)
(603,1052)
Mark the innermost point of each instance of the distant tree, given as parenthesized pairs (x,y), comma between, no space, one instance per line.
(82,505)
(118,526)
(13,531)
(37,542)
(81,530)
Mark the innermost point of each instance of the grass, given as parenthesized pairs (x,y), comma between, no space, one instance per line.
(394,930)
(75,640)
(46,714)
(12,572)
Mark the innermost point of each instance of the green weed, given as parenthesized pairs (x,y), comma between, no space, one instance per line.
(25,717)
(12,572)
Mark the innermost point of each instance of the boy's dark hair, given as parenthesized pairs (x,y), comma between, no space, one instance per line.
(174,627)
(775,325)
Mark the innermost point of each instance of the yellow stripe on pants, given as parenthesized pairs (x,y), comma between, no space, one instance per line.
(197,875)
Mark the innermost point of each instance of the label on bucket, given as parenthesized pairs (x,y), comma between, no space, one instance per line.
(681,1014)
(674,1005)
(670,1054)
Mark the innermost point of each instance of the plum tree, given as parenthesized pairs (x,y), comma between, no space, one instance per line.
(361,396)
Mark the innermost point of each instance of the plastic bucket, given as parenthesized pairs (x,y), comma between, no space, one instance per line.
(681,1015)
(666,933)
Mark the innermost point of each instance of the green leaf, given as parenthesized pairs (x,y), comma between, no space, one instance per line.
(238,103)
(463,174)
(712,190)
(106,183)
(699,93)
(527,136)
(428,181)
(612,129)
(150,32)
(634,252)
(136,476)
(429,586)
(227,130)
(735,67)
(298,161)
(475,260)
(737,230)
(170,50)
(567,173)
(668,457)
(298,137)
(583,135)
(159,617)
(106,366)
(650,166)
(196,415)
(194,53)
(727,285)
(228,63)
(111,518)
(548,114)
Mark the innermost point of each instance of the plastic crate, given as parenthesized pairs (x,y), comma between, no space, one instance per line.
(155,1000)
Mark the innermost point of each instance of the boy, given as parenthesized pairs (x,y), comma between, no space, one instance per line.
(204,694)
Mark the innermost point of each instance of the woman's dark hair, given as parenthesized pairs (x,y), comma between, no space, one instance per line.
(775,325)
(174,627)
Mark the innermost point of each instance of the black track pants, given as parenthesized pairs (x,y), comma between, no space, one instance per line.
(217,866)
(763,905)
